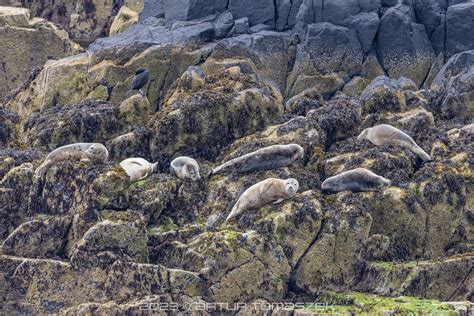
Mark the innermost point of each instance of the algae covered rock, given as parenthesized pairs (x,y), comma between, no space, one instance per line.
(235,103)
(108,241)
(31,51)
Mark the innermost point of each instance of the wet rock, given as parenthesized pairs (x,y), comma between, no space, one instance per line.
(412,278)
(330,261)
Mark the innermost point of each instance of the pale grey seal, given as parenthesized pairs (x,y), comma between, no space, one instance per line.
(138,168)
(356,180)
(386,134)
(264,192)
(266,158)
(185,168)
(93,152)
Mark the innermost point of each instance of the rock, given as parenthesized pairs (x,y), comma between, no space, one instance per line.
(407,278)
(83,21)
(287,10)
(30,50)
(452,87)
(260,27)
(108,241)
(14,199)
(407,84)
(40,238)
(404,46)
(459,38)
(256,11)
(383,94)
(152,8)
(301,103)
(258,51)
(242,26)
(125,18)
(132,144)
(339,118)
(321,268)
(355,87)
(89,121)
(366,25)
(14,17)
(200,113)
(135,110)
(223,24)
(185,10)
(329,53)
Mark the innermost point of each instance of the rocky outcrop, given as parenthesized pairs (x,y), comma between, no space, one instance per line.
(23,49)
(83,20)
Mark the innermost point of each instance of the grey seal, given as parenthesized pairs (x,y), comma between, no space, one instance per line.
(271,157)
(185,168)
(386,134)
(264,192)
(88,152)
(138,168)
(356,180)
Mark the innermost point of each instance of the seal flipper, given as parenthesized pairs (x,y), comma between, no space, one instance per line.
(43,168)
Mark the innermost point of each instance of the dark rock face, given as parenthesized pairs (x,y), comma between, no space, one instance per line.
(404,47)
(459,22)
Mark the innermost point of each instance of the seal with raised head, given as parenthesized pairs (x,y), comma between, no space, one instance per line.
(185,168)
(138,168)
(87,152)
(387,134)
(271,157)
(264,192)
(356,180)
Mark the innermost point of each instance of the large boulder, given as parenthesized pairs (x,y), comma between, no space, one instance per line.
(233,103)
(459,24)
(27,44)
(453,87)
(404,47)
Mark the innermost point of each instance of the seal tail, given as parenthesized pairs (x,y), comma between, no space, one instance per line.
(421,153)
(43,168)
(234,212)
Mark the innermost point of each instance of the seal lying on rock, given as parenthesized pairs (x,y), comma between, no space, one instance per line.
(185,168)
(264,192)
(93,152)
(266,158)
(138,168)
(356,180)
(386,134)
